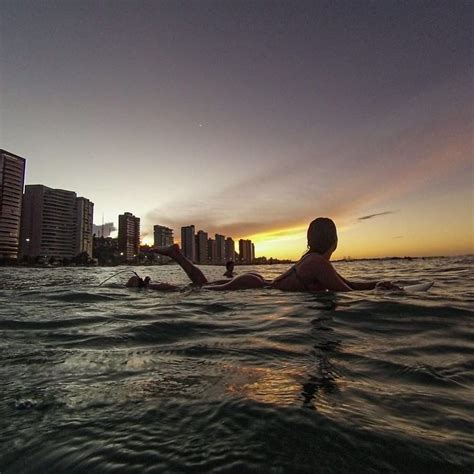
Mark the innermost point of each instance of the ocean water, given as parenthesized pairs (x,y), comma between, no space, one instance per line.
(108,379)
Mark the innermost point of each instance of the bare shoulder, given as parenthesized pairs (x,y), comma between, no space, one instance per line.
(312,257)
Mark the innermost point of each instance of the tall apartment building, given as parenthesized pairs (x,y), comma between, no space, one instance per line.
(220,249)
(55,223)
(229,249)
(129,236)
(212,251)
(188,242)
(245,251)
(202,253)
(162,237)
(12,178)
(84,226)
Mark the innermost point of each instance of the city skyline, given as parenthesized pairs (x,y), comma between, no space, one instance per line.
(40,222)
(253,118)
(139,240)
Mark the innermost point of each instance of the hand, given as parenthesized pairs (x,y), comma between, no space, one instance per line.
(386,285)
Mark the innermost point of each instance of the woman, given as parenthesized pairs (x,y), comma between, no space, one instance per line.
(312,273)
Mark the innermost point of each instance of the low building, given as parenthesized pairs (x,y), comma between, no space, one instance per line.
(106,250)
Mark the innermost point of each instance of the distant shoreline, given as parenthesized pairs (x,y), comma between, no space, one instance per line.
(237,264)
(401,258)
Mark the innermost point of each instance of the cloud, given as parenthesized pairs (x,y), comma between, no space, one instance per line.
(399,153)
(371,216)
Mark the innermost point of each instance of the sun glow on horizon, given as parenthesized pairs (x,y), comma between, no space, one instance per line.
(147,240)
(402,233)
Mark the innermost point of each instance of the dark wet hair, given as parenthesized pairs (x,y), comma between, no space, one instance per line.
(322,235)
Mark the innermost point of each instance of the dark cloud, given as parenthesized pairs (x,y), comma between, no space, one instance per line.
(371,216)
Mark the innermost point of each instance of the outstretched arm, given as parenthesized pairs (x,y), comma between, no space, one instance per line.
(174,252)
(358,285)
(370,285)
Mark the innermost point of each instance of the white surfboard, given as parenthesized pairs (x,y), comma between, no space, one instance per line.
(419,286)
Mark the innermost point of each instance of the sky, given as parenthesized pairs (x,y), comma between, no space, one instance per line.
(251,118)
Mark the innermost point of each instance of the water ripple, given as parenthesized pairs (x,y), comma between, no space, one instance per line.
(109,379)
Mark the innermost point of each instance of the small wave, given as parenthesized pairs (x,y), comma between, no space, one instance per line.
(420,374)
(226,436)
(81,297)
(13,324)
(167,331)
(109,380)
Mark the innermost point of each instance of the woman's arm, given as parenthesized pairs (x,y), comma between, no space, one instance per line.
(359,285)
(370,285)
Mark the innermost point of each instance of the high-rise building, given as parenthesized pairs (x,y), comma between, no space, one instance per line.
(252,252)
(202,253)
(188,242)
(55,223)
(129,236)
(212,251)
(245,251)
(220,248)
(84,218)
(12,178)
(162,237)
(229,249)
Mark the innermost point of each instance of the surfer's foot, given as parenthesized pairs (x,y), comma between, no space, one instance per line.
(169,251)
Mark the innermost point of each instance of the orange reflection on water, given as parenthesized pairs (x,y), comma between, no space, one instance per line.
(266,385)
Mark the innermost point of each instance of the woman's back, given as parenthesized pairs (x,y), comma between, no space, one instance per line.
(296,278)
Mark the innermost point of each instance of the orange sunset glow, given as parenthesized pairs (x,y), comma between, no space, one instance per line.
(255,132)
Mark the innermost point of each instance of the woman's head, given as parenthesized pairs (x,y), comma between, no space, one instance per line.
(322,236)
